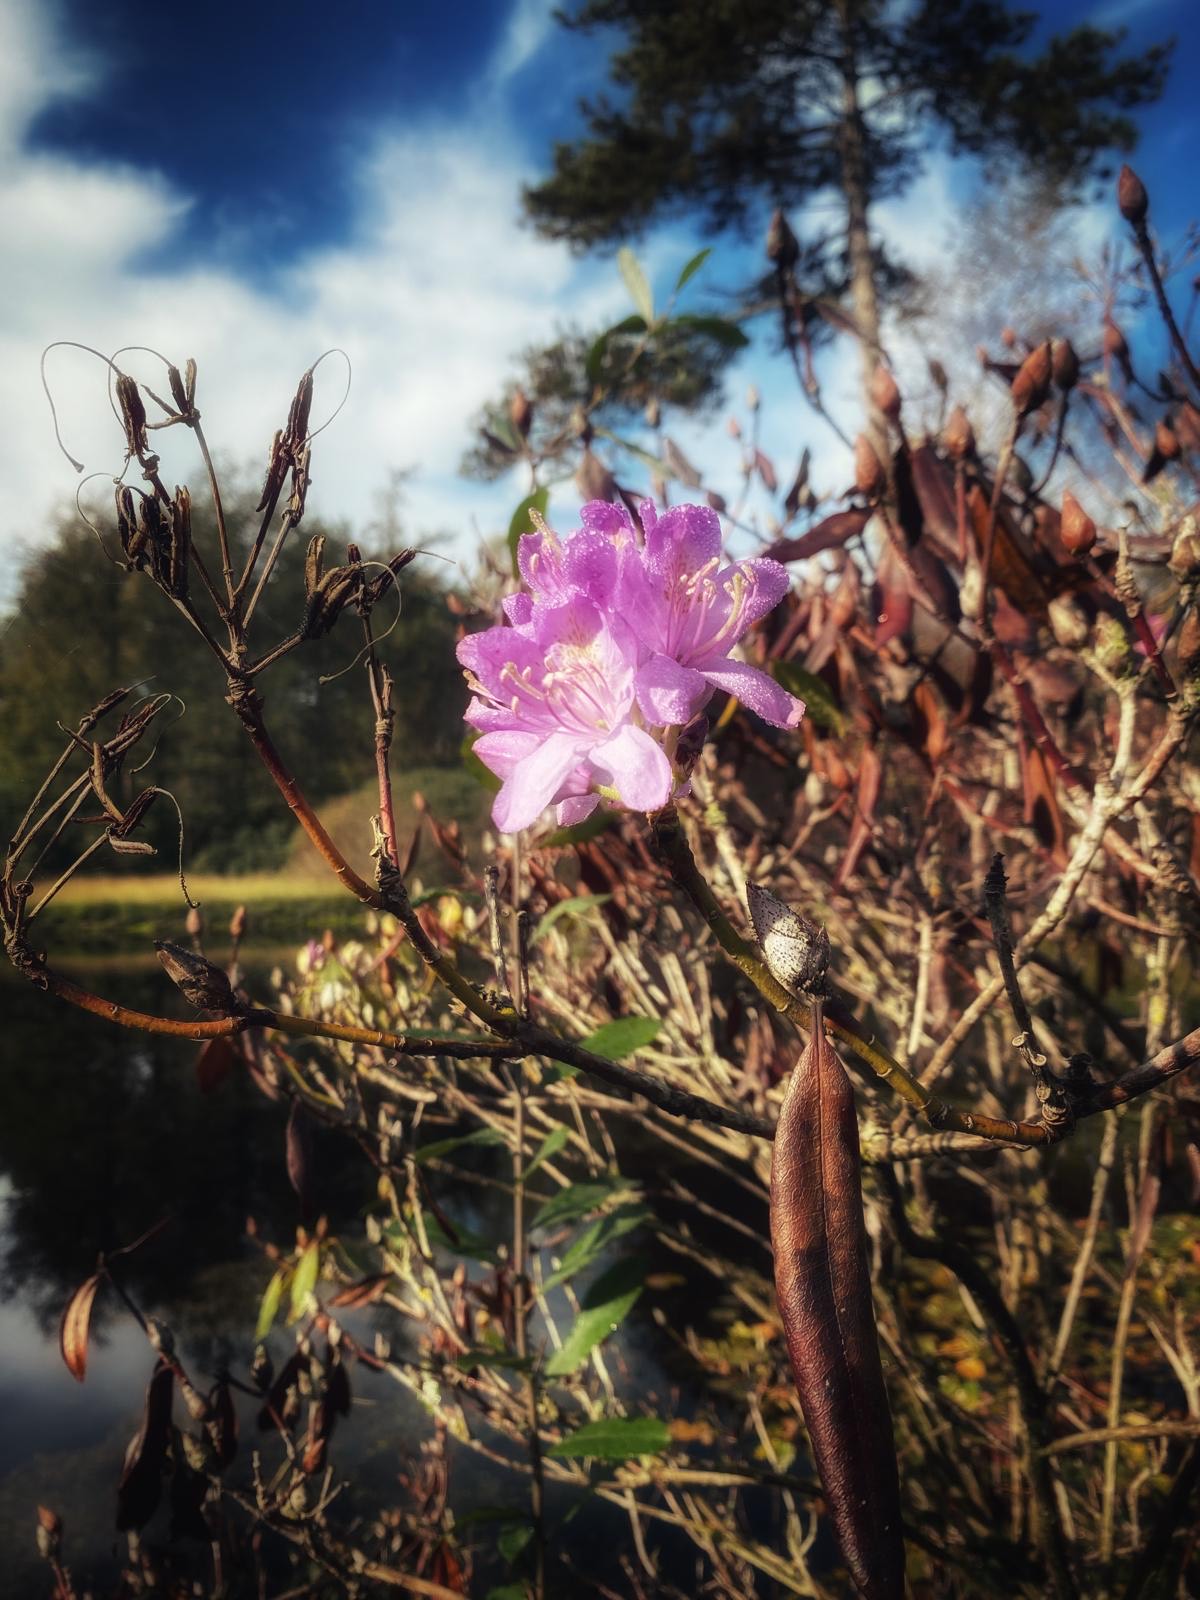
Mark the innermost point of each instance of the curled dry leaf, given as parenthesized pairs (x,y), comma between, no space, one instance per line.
(824,1291)
(76,1321)
(141,1480)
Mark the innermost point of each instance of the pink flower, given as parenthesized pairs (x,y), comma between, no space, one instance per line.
(609,650)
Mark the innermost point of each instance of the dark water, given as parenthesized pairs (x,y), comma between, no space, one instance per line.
(104,1133)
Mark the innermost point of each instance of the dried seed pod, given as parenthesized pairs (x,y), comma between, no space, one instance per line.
(869,478)
(314,564)
(796,950)
(823,1288)
(133,415)
(202,984)
(1076,530)
(1032,382)
(178,391)
(958,436)
(179,547)
(329,599)
(296,431)
(1132,197)
(885,393)
(1064,364)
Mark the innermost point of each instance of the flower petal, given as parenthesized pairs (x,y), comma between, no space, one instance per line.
(501,750)
(754,689)
(683,540)
(668,693)
(636,768)
(575,808)
(534,782)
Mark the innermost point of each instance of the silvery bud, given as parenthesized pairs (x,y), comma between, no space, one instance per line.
(796,950)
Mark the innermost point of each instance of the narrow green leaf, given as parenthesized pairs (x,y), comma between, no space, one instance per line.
(566,908)
(481,1357)
(573,1202)
(605,1306)
(594,365)
(818,697)
(509,1591)
(549,1147)
(615,1439)
(693,267)
(522,523)
(269,1309)
(727,334)
(512,1541)
(441,1148)
(304,1280)
(636,282)
(465,1242)
(595,1240)
(581,832)
(620,1038)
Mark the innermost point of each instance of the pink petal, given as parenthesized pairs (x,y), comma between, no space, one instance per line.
(534,782)
(636,768)
(769,584)
(668,693)
(755,690)
(575,808)
(683,540)
(502,750)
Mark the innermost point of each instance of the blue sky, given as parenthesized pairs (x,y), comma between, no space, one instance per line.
(252,183)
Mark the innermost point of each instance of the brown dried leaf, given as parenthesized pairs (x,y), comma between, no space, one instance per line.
(141,1478)
(76,1321)
(828,534)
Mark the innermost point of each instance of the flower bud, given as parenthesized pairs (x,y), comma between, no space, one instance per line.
(520,411)
(1116,349)
(1077,530)
(885,393)
(204,985)
(958,436)
(1008,338)
(1032,382)
(1166,440)
(1064,364)
(869,477)
(238,924)
(1132,197)
(782,246)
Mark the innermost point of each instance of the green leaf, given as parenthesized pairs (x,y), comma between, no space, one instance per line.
(573,1202)
(521,522)
(581,832)
(814,691)
(594,365)
(605,1306)
(549,1147)
(304,1280)
(636,282)
(269,1309)
(620,1038)
(465,1242)
(509,1591)
(615,1439)
(482,1357)
(595,1240)
(566,908)
(727,334)
(441,1148)
(512,1541)
(693,267)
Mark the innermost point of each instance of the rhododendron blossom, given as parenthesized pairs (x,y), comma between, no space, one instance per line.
(614,644)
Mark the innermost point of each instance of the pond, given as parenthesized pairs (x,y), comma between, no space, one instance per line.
(105,1133)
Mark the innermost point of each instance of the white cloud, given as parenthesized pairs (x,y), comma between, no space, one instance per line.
(432,295)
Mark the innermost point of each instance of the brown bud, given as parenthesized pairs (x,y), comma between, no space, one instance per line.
(520,411)
(1116,348)
(49,1532)
(1032,382)
(796,950)
(1166,441)
(1132,197)
(652,415)
(1064,364)
(1187,427)
(782,246)
(200,982)
(1008,338)
(194,922)
(869,477)
(238,924)
(593,479)
(1077,530)
(938,373)
(958,436)
(885,393)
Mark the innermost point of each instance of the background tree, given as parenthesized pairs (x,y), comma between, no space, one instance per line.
(738,108)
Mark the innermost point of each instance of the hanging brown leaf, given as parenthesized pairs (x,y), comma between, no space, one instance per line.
(365,1293)
(141,1480)
(929,724)
(76,1321)
(828,534)
(823,1287)
(870,774)
(298,1142)
(223,1423)
(214,1064)
(1042,811)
